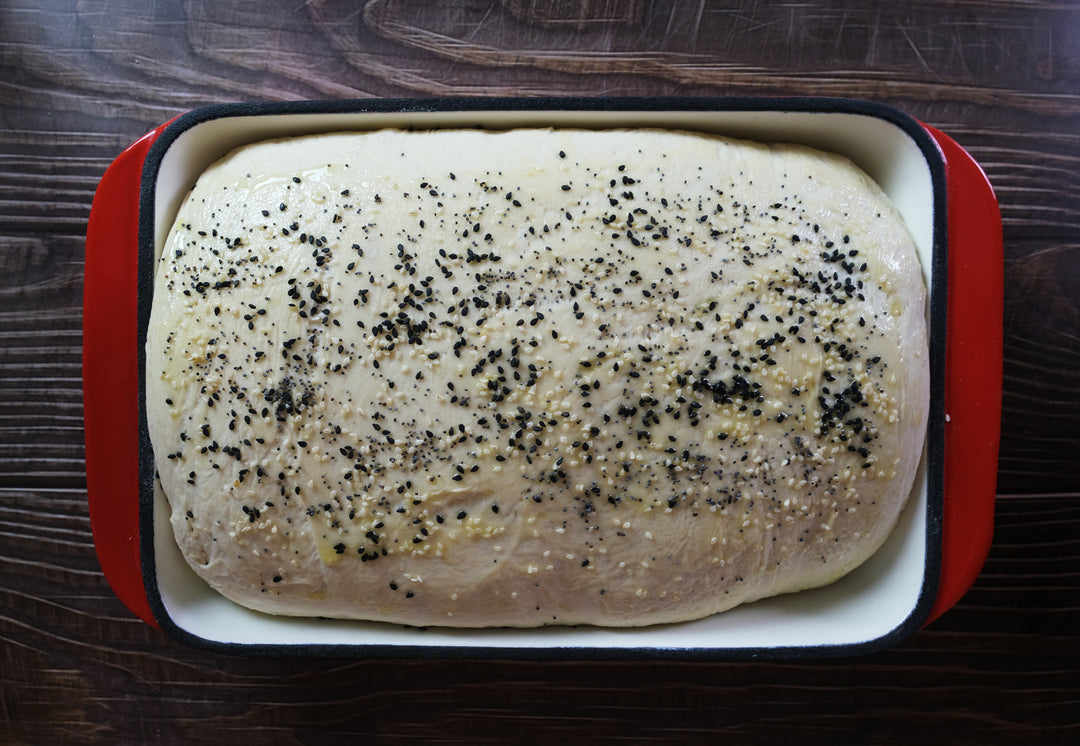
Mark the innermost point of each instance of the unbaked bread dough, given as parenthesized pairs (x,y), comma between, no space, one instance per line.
(533,377)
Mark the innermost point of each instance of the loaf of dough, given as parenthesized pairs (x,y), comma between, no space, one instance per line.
(533,377)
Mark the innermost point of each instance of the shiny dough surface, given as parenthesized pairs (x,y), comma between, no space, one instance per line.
(533,377)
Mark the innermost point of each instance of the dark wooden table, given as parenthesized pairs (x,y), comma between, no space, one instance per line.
(79,80)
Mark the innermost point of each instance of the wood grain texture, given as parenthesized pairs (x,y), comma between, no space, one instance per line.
(81,79)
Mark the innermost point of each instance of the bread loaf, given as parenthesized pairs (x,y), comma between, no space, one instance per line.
(533,377)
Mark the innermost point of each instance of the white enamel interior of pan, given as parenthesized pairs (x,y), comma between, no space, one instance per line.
(867,604)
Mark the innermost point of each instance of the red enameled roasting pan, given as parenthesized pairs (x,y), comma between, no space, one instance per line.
(931,561)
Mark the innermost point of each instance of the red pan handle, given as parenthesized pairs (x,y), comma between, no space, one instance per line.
(110,375)
(973,372)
